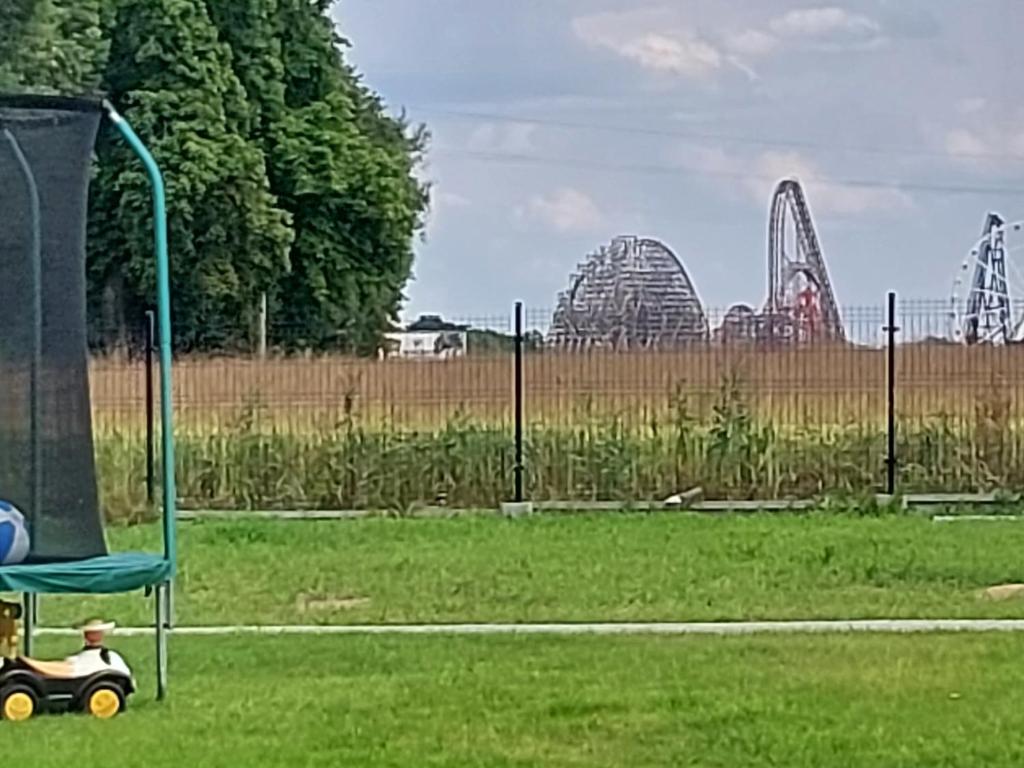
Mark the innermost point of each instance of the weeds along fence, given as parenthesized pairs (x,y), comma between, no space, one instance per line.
(741,420)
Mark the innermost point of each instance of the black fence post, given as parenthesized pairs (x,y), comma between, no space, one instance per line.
(890,462)
(150,331)
(519,403)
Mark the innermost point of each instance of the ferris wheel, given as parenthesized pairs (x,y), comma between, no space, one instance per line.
(987,306)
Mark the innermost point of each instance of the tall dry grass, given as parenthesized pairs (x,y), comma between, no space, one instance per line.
(796,386)
(338,432)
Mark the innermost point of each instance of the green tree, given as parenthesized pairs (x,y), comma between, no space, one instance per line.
(82,48)
(51,46)
(286,175)
(341,166)
(251,27)
(171,75)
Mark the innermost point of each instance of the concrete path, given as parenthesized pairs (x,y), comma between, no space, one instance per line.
(671,628)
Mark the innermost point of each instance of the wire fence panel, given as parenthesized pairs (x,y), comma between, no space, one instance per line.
(323,429)
(430,418)
(960,408)
(740,419)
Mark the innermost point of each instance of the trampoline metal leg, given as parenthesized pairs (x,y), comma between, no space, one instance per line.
(161,641)
(31,606)
(170,604)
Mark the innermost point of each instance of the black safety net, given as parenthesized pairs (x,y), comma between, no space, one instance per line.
(47,464)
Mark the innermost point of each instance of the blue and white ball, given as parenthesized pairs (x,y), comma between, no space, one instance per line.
(14,543)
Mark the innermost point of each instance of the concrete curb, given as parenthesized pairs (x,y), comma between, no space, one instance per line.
(882,626)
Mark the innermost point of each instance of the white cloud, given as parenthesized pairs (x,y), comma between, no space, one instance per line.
(652,40)
(662,41)
(710,160)
(753,43)
(824,193)
(452,200)
(754,178)
(510,138)
(821,29)
(828,29)
(566,210)
(965,143)
(442,204)
(743,67)
(989,147)
(687,57)
(971,106)
(822,22)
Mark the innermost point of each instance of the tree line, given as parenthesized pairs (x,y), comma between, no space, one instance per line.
(286,176)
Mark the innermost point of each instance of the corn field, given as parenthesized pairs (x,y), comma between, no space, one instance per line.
(334,432)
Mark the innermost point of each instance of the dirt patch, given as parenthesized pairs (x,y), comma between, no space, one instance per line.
(319,603)
(1003,592)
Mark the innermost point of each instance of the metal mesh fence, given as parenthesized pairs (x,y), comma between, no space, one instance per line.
(739,419)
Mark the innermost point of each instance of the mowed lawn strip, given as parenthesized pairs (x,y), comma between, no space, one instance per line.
(613,567)
(877,700)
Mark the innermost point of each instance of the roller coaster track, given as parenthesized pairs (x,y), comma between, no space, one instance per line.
(799,288)
(631,294)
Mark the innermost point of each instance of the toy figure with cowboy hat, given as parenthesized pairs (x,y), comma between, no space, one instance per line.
(95,656)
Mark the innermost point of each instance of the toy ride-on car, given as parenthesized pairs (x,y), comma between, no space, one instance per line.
(28,686)
(96,680)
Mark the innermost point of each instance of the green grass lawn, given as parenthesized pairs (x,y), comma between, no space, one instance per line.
(539,701)
(577,568)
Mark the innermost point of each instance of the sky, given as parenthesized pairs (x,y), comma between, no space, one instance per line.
(559,124)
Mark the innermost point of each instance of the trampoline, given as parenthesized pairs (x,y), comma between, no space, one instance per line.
(47,460)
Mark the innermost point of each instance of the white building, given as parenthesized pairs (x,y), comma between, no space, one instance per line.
(429,338)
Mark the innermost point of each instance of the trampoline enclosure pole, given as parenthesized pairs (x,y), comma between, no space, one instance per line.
(161,640)
(163,288)
(150,332)
(163,291)
(29,622)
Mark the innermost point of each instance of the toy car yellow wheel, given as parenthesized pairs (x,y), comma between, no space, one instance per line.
(104,702)
(18,702)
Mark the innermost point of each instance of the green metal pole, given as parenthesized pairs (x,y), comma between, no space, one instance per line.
(30,619)
(163,293)
(163,289)
(161,640)
(36,457)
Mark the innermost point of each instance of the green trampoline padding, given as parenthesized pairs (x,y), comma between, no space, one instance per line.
(123,572)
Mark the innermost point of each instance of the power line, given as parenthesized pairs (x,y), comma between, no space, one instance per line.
(719,137)
(503,158)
